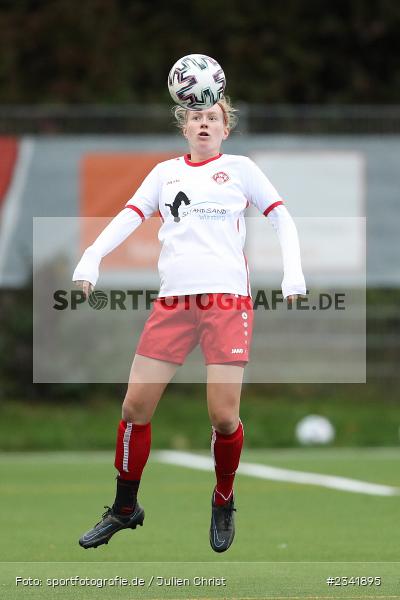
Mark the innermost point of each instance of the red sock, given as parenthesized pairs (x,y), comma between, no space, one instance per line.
(132,450)
(226,451)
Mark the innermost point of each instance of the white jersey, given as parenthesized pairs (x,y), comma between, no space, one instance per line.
(202,207)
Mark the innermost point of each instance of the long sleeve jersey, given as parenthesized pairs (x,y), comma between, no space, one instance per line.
(202,207)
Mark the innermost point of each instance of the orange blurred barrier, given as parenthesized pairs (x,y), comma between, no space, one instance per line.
(8,158)
(107,182)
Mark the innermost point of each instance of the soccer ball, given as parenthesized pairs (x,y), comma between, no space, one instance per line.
(196,82)
(315,429)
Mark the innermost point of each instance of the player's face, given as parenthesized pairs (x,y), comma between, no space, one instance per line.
(205,131)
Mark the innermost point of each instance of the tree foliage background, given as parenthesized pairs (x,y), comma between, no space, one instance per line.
(117,51)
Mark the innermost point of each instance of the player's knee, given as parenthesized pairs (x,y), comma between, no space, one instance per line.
(127,412)
(133,410)
(225,423)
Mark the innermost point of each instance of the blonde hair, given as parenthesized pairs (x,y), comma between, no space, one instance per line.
(229,112)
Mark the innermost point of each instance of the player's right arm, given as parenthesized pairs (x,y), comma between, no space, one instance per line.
(140,207)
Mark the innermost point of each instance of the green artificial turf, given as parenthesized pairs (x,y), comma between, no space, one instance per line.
(289,537)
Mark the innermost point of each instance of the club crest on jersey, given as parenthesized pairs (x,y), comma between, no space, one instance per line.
(220,177)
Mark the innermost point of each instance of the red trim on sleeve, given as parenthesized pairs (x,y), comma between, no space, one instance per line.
(271,207)
(137,210)
(160,215)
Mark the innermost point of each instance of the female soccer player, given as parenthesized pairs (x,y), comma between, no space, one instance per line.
(204,299)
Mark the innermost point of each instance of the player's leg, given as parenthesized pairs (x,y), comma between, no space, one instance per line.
(147,382)
(167,338)
(225,325)
(224,384)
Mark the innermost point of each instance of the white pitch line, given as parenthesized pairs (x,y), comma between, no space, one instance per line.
(195,461)
(12,202)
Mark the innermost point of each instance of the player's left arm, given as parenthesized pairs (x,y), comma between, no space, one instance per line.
(293,283)
(265,197)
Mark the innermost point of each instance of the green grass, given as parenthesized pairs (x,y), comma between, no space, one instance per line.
(289,537)
(362,416)
(245,581)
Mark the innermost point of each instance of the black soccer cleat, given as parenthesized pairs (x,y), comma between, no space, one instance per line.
(222,529)
(110,523)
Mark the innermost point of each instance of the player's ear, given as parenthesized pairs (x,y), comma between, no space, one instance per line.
(184,127)
(226,133)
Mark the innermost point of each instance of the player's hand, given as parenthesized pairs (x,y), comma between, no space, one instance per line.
(86,287)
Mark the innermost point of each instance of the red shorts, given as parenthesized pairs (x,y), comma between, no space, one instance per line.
(221,323)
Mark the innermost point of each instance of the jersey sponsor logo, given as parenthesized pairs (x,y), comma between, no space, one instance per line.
(237,351)
(174,207)
(171,181)
(221,177)
(207,213)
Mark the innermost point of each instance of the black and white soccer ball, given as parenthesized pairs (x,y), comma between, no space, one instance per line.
(196,82)
(315,429)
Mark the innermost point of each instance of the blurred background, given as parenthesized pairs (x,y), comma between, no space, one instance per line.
(81,82)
